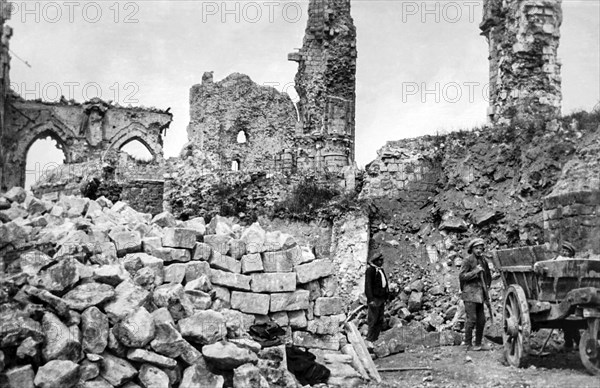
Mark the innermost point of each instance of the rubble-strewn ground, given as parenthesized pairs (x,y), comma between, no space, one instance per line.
(451,369)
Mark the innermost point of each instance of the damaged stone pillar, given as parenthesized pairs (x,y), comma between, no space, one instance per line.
(326,86)
(523,38)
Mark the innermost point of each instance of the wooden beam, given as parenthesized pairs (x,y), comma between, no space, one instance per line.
(361,351)
(406,368)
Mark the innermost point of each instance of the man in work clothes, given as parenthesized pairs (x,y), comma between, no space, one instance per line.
(376,290)
(572,335)
(471,271)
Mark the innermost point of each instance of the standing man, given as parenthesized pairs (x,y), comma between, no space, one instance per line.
(376,290)
(572,335)
(471,271)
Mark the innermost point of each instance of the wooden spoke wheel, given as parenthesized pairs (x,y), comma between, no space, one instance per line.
(517,326)
(589,347)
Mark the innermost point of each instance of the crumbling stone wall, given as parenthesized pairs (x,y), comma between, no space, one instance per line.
(236,106)
(138,182)
(523,39)
(572,210)
(83,131)
(404,169)
(6,33)
(145,196)
(326,85)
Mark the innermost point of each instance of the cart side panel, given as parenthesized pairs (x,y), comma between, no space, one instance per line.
(558,277)
(516,267)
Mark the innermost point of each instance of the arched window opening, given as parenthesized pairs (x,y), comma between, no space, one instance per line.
(242,137)
(43,157)
(235,165)
(137,150)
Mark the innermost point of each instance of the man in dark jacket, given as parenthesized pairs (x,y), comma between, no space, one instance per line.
(376,290)
(473,269)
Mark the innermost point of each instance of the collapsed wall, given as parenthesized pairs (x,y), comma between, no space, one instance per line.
(97,293)
(523,38)
(484,183)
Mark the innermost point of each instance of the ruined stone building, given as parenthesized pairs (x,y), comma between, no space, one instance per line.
(523,39)
(326,85)
(239,125)
(84,132)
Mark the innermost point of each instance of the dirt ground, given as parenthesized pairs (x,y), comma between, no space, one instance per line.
(451,368)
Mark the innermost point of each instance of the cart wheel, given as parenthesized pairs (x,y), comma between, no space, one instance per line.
(517,326)
(589,347)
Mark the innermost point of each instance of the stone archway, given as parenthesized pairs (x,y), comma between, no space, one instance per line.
(17,155)
(136,131)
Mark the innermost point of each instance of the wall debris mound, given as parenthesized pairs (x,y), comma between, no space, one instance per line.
(122,296)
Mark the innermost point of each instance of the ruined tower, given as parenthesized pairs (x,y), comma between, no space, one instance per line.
(523,37)
(326,85)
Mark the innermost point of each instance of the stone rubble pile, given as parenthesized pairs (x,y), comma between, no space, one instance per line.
(98,295)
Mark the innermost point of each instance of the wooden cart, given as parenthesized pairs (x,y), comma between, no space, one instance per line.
(541,292)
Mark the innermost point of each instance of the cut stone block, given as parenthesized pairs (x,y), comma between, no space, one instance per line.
(218,243)
(273,282)
(289,301)
(328,306)
(297,319)
(232,280)
(252,263)
(314,270)
(225,263)
(196,269)
(277,262)
(202,251)
(250,303)
(179,238)
(126,241)
(313,341)
(329,324)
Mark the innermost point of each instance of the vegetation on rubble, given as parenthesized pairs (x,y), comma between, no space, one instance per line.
(314,198)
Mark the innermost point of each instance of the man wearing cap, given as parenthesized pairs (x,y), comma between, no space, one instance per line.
(376,290)
(572,335)
(472,292)
(567,249)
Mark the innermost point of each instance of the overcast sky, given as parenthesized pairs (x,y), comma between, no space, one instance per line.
(422,66)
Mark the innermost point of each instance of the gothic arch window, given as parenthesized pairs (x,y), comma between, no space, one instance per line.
(137,150)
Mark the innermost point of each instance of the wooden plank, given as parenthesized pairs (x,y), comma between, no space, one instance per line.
(407,368)
(356,363)
(361,350)
(518,268)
